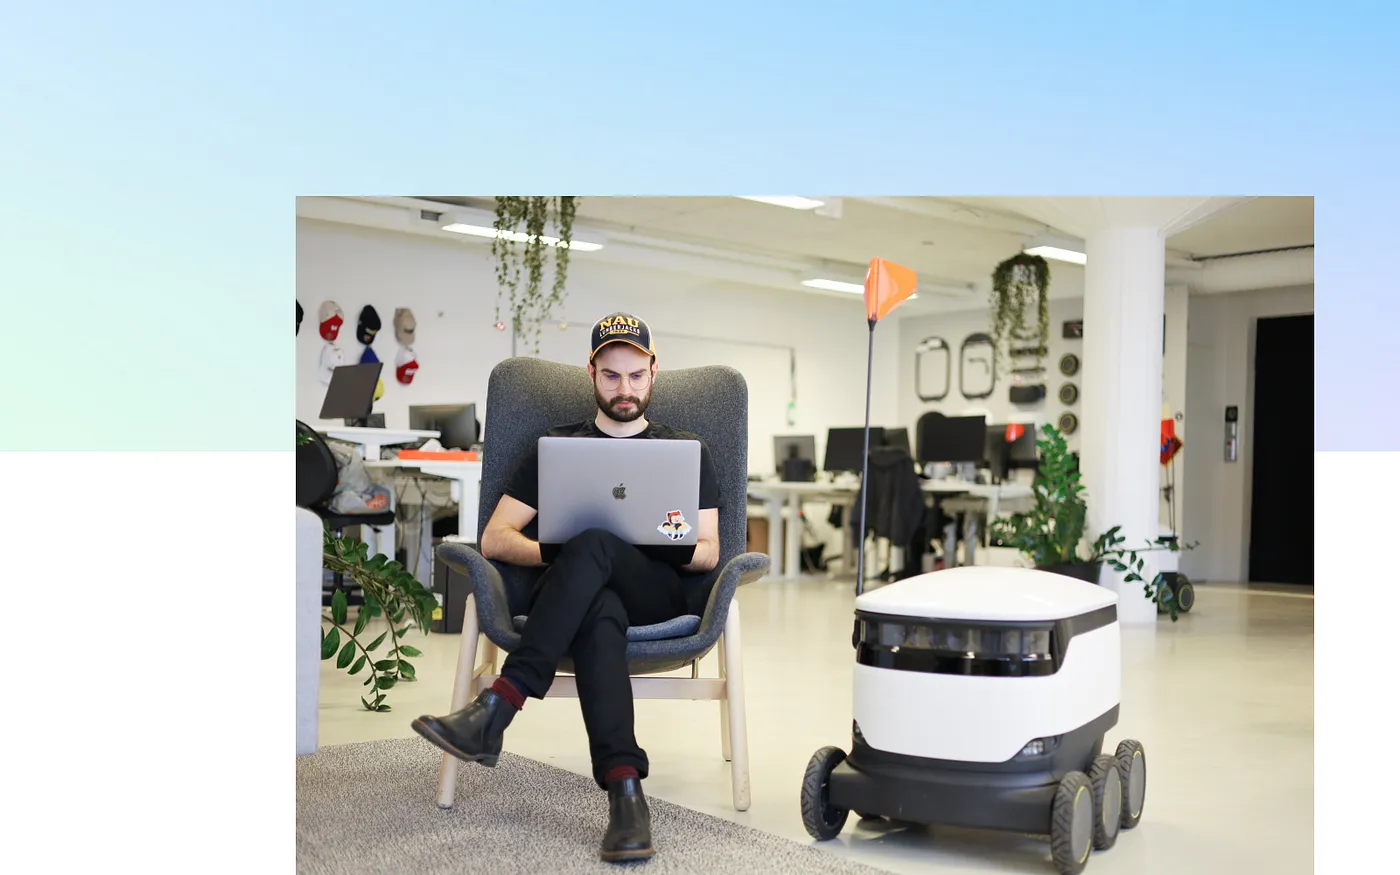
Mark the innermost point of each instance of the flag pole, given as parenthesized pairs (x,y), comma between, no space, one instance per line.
(865,461)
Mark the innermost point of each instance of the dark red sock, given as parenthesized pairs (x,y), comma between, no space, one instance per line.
(617,773)
(508,691)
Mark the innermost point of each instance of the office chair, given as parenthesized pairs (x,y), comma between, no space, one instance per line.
(317,476)
(711,402)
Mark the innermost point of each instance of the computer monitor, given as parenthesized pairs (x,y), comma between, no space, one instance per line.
(794,446)
(455,423)
(898,437)
(350,395)
(955,439)
(1022,452)
(845,448)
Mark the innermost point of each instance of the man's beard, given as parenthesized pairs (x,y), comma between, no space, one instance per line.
(609,407)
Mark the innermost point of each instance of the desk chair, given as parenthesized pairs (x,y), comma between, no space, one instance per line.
(711,402)
(317,476)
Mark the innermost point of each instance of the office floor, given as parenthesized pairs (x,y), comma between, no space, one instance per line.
(1222,701)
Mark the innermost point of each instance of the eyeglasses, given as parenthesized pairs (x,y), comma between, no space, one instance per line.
(639,380)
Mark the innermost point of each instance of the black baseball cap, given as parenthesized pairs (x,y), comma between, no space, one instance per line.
(621,328)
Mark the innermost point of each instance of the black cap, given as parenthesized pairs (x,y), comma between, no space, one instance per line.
(621,328)
(369,325)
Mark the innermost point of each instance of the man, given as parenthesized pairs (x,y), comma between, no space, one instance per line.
(593,589)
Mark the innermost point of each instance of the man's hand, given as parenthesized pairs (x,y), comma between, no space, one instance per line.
(707,548)
(502,539)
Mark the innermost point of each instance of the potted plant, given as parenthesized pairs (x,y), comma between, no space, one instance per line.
(1020,304)
(1051,534)
(525,221)
(390,591)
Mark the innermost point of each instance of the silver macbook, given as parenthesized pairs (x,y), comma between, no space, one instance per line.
(645,491)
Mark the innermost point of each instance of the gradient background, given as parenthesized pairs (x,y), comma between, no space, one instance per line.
(150,156)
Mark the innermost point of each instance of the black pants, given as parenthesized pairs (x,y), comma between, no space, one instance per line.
(581,607)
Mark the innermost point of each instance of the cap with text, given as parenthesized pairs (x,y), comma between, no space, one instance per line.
(623,328)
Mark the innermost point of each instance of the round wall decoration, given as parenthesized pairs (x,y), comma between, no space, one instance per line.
(1069,364)
(1069,393)
(1068,423)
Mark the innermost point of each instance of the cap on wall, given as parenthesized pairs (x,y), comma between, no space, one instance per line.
(621,328)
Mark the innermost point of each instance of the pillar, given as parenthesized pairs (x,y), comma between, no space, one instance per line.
(1124,281)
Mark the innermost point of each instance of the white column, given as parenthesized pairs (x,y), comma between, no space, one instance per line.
(1123,305)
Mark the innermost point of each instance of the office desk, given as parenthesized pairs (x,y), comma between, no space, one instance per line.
(372,440)
(466,487)
(785,552)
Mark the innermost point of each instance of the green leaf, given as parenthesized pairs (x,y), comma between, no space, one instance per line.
(362,621)
(369,680)
(407,670)
(386,683)
(339,607)
(382,708)
(368,706)
(331,643)
(409,650)
(378,641)
(378,697)
(376,564)
(403,632)
(347,655)
(359,664)
(386,665)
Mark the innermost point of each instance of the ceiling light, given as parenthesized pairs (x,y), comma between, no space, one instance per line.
(1057,248)
(480,224)
(1058,254)
(792,203)
(838,286)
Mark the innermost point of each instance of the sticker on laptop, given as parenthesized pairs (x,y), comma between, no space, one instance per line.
(675,526)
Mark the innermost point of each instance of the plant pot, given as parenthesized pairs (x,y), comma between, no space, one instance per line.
(1085,571)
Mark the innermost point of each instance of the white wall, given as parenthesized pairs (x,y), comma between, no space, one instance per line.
(1220,363)
(954,328)
(451,288)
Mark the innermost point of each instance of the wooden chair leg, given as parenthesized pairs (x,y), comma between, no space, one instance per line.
(462,689)
(734,703)
(724,708)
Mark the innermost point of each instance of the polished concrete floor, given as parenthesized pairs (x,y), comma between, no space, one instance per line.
(1222,702)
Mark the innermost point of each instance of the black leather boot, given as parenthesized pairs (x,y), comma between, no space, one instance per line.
(474,733)
(629,823)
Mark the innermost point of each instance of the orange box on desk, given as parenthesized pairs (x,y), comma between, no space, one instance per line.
(440,455)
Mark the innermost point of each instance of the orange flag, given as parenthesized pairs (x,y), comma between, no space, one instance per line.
(886,286)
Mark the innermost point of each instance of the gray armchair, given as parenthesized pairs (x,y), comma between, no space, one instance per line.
(526,397)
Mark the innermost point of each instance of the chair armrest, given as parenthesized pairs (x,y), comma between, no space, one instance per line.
(742,569)
(492,604)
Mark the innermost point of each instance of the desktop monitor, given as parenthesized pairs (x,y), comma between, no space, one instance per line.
(455,423)
(955,439)
(350,394)
(845,448)
(898,437)
(1022,452)
(802,447)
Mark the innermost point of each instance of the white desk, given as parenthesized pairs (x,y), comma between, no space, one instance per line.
(466,487)
(372,440)
(786,553)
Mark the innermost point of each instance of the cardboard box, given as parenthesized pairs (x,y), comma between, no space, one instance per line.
(758,535)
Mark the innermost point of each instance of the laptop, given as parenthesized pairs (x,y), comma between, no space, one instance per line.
(350,395)
(647,492)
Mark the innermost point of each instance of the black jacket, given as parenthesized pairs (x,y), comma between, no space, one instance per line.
(896,507)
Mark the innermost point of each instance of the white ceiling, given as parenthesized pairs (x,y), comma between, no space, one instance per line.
(942,239)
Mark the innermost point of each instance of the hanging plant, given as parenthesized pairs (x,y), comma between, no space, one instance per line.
(1020,304)
(521,247)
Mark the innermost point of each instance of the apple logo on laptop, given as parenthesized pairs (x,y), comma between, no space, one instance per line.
(619,491)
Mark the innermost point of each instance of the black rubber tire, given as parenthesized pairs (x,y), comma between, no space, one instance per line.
(1108,800)
(1185,596)
(1071,837)
(1131,756)
(823,822)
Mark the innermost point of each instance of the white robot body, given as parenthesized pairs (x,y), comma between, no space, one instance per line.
(982,664)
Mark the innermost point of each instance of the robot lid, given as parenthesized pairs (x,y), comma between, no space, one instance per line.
(991,593)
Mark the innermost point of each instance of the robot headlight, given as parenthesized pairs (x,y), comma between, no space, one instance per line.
(1039,747)
(974,640)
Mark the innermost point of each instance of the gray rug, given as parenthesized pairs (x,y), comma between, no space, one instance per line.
(369,808)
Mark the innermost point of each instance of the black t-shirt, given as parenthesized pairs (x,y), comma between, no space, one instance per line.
(524,486)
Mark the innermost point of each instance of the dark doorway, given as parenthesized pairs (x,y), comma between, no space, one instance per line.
(1281,506)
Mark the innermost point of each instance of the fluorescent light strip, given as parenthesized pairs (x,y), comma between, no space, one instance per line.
(1058,254)
(792,203)
(518,236)
(838,286)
